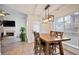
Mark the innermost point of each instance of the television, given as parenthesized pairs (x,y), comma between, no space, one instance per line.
(7,23)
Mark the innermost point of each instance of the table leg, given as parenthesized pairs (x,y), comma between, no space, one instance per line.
(61,48)
(47,49)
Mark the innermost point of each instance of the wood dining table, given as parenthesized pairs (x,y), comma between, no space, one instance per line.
(50,39)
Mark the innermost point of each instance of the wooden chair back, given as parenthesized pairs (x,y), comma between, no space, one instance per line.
(59,34)
(52,33)
(56,34)
(37,38)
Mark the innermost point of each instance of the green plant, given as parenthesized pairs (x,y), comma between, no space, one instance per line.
(22,34)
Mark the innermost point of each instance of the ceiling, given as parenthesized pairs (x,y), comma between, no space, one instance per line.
(38,9)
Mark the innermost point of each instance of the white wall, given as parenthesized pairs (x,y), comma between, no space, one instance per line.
(19,18)
(32,19)
(46,27)
(1,19)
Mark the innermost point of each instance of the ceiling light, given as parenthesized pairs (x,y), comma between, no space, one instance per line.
(3,13)
(48,17)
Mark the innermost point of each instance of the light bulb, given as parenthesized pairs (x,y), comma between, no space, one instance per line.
(46,20)
(50,19)
(2,14)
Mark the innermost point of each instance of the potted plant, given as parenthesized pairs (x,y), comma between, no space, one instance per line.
(22,34)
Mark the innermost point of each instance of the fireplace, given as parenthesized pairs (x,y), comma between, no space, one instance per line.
(10,33)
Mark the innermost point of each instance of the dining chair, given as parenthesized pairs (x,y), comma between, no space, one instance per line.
(59,34)
(38,46)
(52,33)
(54,45)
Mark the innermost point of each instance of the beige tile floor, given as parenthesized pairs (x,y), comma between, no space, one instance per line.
(21,48)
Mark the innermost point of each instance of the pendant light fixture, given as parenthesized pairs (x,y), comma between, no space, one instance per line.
(47,17)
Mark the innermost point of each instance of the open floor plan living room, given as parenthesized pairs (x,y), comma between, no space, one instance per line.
(39,29)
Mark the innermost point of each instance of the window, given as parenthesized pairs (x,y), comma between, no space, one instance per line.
(71,29)
(67,19)
(36,26)
(70,25)
(59,24)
